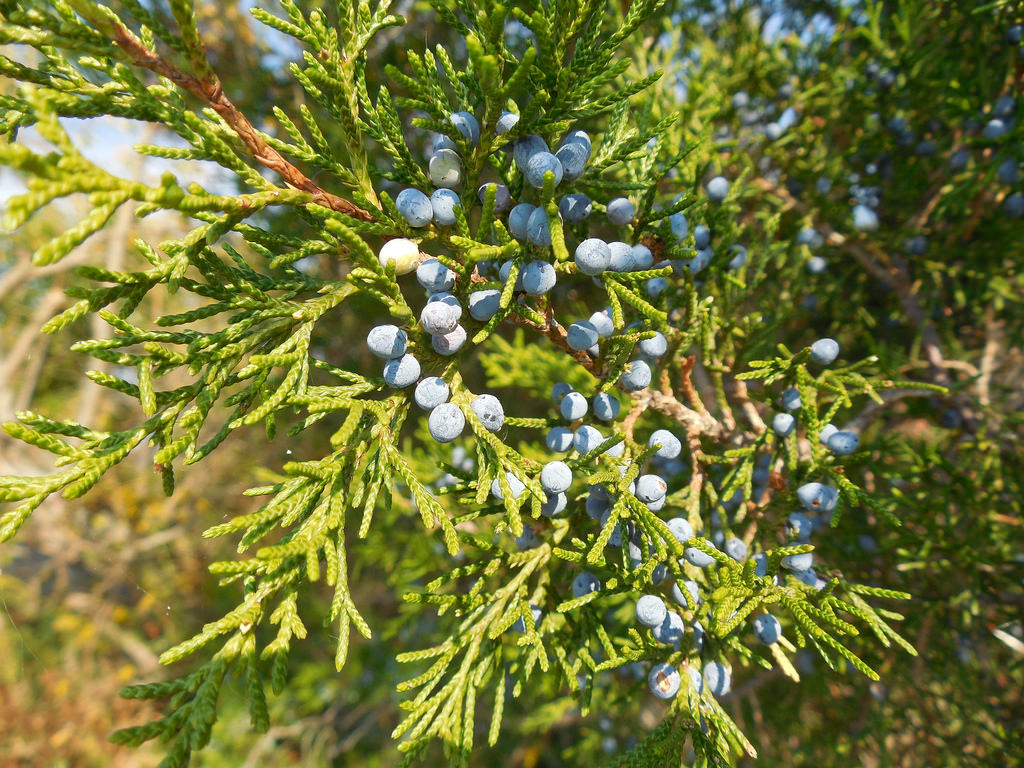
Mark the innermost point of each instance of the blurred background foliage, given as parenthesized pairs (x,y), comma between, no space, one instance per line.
(92,591)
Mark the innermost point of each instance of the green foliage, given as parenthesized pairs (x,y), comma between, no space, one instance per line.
(317,177)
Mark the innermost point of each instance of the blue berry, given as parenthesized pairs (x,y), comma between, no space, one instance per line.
(994,129)
(602,321)
(695,678)
(760,565)
(917,245)
(554,505)
(506,122)
(593,256)
(538,230)
(798,526)
(528,539)
(573,156)
(798,562)
(1013,205)
(739,257)
(642,257)
(816,265)
(538,278)
(698,557)
(573,406)
(502,197)
(579,136)
(442,142)
(575,207)
(449,343)
(843,442)
(445,169)
(559,439)
(518,219)
(701,236)
(443,203)
(678,224)
(466,124)
(403,253)
(671,630)
(440,316)
(959,159)
(811,238)
(656,286)
(825,351)
(526,147)
(606,407)
(490,412)
(791,399)
(670,448)
(597,505)
(431,392)
(717,678)
(585,583)
(555,477)
(539,164)
(582,335)
(587,438)
(401,371)
(387,341)
(817,496)
(656,346)
(718,189)
(435,276)
(650,488)
(446,422)
(515,485)
(767,629)
(415,207)
(864,218)
(736,549)
(535,612)
(484,304)
(690,598)
(783,424)
(650,610)
(559,390)
(622,257)
(636,376)
(620,211)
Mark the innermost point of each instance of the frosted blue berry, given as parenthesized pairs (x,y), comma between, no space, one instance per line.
(636,376)
(559,439)
(585,583)
(387,341)
(431,392)
(670,448)
(620,211)
(401,371)
(791,399)
(816,265)
(959,159)
(538,230)
(671,630)
(539,164)
(718,189)
(767,629)
(440,142)
(864,218)
(811,238)
(656,346)
(435,276)
(446,422)
(1007,172)
(575,207)
(484,304)
(826,432)
(678,224)
(798,526)
(650,610)
(917,245)
(466,124)
(597,505)
(449,343)
(798,562)
(701,236)
(506,121)
(440,316)
(843,442)
(573,157)
(579,136)
(825,351)
(606,407)
(602,321)
(650,488)
(515,485)
(739,257)
(527,539)
(656,286)
(555,477)
(695,679)
(518,219)
(445,169)
(502,197)
(559,390)
(593,256)
(582,335)
(403,253)
(526,147)
(760,565)
(535,614)
(587,438)
(818,497)
(443,203)
(642,257)
(554,505)
(688,599)
(736,549)
(489,410)
(415,207)
(995,129)
(573,406)
(783,424)
(700,260)
(698,557)
(717,678)
(538,278)
(622,257)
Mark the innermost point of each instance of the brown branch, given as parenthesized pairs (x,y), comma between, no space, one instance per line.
(211,92)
